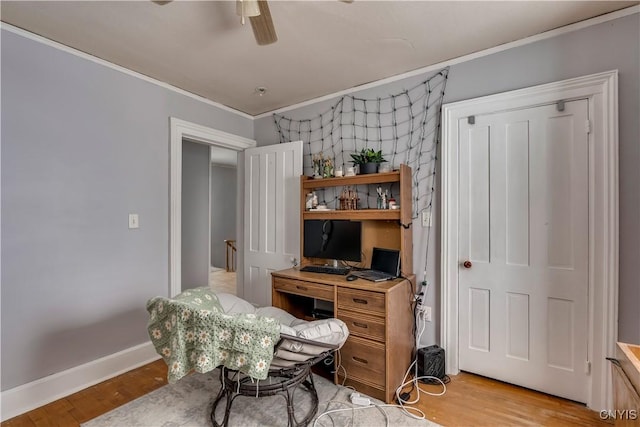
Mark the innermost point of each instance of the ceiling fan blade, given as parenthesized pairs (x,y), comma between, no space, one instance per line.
(262,25)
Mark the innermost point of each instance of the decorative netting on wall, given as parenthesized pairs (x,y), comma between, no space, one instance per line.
(404,126)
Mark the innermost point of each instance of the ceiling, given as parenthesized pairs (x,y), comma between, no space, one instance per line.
(323,47)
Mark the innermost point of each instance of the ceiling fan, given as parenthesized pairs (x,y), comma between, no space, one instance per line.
(260,17)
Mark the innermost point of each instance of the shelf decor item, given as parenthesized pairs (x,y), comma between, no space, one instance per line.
(349,199)
(327,168)
(367,160)
(322,167)
(318,165)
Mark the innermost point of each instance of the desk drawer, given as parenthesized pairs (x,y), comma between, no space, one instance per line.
(369,302)
(364,359)
(363,326)
(307,289)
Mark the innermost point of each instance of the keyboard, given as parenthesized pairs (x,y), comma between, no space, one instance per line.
(374,276)
(326,269)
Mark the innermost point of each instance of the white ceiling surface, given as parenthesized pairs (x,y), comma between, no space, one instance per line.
(324,47)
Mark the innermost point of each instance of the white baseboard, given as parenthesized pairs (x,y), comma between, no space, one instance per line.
(37,393)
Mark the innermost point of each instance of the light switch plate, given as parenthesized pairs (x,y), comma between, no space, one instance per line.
(133,221)
(426,218)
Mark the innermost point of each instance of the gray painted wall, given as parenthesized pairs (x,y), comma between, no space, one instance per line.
(223,211)
(195,215)
(83,146)
(603,47)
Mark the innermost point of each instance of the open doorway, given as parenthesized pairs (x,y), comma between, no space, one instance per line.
(223,208)
(182,130)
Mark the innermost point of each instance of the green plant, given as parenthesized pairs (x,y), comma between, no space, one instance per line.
(367,155)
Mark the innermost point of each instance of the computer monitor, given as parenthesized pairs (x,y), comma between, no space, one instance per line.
(333,239)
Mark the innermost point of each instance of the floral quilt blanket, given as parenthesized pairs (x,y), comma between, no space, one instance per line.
(191,332)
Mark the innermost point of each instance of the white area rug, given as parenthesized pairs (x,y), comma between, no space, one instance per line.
(188,403)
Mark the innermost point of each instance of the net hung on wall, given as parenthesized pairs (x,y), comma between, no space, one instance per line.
(405,127)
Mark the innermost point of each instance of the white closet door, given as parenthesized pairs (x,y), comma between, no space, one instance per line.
(523,231)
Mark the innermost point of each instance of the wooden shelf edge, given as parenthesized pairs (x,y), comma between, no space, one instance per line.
(373,178)
(361,214)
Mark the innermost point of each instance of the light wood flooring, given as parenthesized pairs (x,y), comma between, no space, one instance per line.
(221,280)
(99,399)
(470,400)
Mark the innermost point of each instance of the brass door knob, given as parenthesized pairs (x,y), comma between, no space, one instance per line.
(467,264)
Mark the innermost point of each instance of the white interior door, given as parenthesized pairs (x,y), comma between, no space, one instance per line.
(271,215)
(523,228)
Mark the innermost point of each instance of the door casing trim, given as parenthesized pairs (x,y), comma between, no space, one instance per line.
(179,130)
(601,91)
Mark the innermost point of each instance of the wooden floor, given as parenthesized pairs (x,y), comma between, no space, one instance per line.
(470,401)
(84,405)
(221,280)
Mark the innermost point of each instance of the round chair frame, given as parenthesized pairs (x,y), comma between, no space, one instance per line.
(281,381)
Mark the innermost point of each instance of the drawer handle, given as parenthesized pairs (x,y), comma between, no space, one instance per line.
(358,359)
(360,301)
(360,325)
(302,288)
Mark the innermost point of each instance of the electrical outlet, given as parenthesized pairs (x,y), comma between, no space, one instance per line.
(424,312)
(427,313)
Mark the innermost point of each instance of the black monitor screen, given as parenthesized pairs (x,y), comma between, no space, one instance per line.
(333,239)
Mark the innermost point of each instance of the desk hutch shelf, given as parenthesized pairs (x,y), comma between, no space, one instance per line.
(379,315)
(385,228)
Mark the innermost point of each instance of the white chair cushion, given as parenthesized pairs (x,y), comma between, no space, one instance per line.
(329,331)
(280,315)
(292,356)
(325,331)
(231,304)
(302,348)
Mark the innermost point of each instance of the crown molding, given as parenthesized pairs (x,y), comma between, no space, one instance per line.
(424,70)
(436,67)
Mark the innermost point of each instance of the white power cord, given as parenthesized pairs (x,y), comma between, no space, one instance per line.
(379,407)
(415,381)
(362,402)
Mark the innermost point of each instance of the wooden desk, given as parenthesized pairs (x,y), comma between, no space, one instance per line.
(379,317)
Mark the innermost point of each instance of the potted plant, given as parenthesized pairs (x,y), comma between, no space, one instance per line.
(368,160)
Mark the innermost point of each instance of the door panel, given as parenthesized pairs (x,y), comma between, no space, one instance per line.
(478,166)
(479,313)
(524,227)
(517,194)
(272,215)
(517,322)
